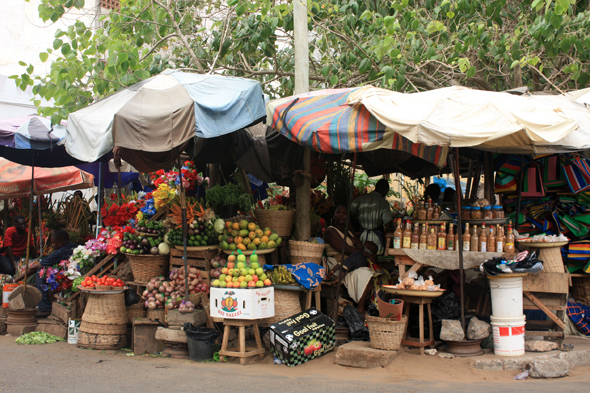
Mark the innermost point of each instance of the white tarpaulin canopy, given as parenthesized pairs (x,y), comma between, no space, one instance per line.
(463,117)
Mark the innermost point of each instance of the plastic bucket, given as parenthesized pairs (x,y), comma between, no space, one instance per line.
(6,291)
(388,310)
(506,297)
(73,330)
(508,335)
(199,350)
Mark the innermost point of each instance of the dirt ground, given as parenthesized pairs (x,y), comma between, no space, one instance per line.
(65,368)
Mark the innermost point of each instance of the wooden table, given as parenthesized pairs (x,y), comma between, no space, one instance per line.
(418,341)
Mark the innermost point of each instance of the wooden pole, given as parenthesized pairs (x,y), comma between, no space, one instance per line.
(459,234)
(39,199)
(119,182)
(303,197)
(30,222)
(184,230)
(99,199)
(519,191)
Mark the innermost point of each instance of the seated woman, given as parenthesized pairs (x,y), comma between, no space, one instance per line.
(359,276)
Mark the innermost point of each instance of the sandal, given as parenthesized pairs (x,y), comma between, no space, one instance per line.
(567,347)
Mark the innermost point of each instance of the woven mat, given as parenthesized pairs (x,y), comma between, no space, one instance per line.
(450,259)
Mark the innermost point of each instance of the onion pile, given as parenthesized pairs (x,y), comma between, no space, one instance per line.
(155,294)
(186,307)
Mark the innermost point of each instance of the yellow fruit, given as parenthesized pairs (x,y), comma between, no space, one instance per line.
(236,226)
(228,224)
(252,235)
(246,241)
(271,244)
(242,247)
(251,246)
(267,232)
(251,227)
(259,232)
(243,224)
(263,239)
(231,258)
(238,240)
(256,241)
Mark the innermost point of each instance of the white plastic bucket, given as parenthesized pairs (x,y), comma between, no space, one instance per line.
(73,330)
(506,297)
(508,335)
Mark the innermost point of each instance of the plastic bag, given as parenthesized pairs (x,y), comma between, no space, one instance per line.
(131,297)
(201,333)
(356,323)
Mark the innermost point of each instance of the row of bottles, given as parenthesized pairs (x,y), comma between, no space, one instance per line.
(427,211)
(491,239)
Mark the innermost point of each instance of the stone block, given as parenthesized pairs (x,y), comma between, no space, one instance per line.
(451,330)
(56,329)
(550,368)
(172,335)
(517,364)
(477,329)
(196,318)
(359,354)
(19,330)
(2,325)
(540,346)
(576,358)
(488,364)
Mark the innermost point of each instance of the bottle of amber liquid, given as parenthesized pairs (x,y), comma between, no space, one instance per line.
(429,210)
(422,212)
(491,240)
(510,240)
(466,239)
(474,240)
(423,238)
(500,239)
(415,237)
(442,238)
(407,235)
(436,212)
(397,235)
(483,239)
(431,240)
(451,239)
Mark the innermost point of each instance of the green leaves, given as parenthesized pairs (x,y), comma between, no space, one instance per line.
(43,56)
(365,65)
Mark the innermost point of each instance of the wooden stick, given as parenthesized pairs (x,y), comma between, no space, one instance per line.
(544,308)
(30,222)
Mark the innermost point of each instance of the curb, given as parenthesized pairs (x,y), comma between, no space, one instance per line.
(574,359)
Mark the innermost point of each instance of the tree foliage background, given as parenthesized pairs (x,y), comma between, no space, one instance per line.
(401,45)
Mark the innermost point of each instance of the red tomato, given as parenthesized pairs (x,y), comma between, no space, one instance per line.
(92,285)
(93,278)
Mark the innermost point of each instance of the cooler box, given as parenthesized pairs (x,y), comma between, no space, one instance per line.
(302,337)
(234,303)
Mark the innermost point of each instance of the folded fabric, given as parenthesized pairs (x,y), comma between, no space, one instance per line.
(580,315)
(308,274)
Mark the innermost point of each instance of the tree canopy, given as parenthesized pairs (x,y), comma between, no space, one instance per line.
(402,45)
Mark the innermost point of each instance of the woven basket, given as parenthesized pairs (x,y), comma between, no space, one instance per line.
(101,328)
(146,267)
(386,334)
(287,304)
(280,221)
(106,309)
(136,311)
(581,289)
(159,314)
(103,287)
(102,341)
(305,252)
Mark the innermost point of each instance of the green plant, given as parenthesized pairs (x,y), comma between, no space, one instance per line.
(230,194)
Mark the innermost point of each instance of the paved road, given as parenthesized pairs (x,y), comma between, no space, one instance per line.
(62,368)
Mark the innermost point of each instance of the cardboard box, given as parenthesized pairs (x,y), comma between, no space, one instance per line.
(302,337)
(235,303)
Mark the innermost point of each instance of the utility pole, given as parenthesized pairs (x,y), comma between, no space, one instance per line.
(303,199)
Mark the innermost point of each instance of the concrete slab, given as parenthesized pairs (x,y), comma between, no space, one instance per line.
(19,330)
(359,354)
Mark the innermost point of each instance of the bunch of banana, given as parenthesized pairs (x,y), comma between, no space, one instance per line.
(280,275)
(278,207)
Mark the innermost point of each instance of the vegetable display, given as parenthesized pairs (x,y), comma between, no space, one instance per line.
(247,236)
(160,293)
(198,235)
(93,281)
(151,227)
(34,338)
(141,245)
(238,274)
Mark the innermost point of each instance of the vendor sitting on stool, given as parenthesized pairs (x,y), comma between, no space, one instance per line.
(60,242)
(359,275)
(15,245)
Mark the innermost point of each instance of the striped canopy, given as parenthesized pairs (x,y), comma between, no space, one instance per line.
(323,121)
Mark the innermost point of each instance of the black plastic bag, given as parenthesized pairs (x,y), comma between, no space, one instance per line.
(201,333)
(356,323)
(131,297)
(446,306)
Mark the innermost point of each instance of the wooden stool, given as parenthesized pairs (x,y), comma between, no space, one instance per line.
(413,341)
(242,352)
(308,296)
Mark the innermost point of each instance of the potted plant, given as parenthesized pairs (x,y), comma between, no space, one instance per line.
(227,200)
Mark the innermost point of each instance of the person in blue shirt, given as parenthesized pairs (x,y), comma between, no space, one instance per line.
(60,242)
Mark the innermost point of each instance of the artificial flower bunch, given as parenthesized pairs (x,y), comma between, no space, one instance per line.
(164,195)
(56,278)
(118,212)
(190,177)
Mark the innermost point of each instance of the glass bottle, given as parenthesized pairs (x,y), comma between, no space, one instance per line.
(407,235)
(436,212)
(487,213)
(423,238)
(397,235)
(442,238)
(483,239)
(510,240)
(500,239)
(451,239)
(476,213)
(415,237)
(429,210)
(491,245)
(431,240)
(474,240)
(422,212)
(466,239)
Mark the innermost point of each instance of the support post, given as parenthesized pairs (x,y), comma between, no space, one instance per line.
(457,174)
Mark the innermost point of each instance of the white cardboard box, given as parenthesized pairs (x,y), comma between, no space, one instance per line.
(234,303)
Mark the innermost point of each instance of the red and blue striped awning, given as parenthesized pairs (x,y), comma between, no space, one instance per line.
(324,122)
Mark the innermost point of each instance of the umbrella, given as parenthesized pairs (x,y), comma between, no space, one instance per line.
(16,179)
(150,123)
(21,138)
(324,122)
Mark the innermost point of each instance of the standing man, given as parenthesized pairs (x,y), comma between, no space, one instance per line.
(15,245)
(374,215)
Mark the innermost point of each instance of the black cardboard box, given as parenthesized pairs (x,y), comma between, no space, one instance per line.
(302,337)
